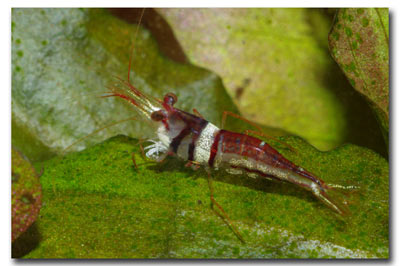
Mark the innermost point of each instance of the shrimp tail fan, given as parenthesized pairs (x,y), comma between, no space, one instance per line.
(337,197)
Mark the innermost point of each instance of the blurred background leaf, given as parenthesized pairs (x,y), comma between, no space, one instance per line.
(359,42)
(63,59)
(275,64)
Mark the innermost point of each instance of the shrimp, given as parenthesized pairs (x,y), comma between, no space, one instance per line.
(201,143)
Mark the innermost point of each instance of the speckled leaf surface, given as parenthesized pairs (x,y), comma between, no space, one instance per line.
(62,61)
(99,206)
(275,63)
(26,194)
(359,42)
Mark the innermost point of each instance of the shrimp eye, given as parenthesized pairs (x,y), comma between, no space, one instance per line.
(170,98)
(157,115)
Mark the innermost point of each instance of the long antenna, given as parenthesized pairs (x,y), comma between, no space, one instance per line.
(133,44)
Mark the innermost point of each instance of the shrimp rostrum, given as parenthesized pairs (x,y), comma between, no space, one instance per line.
(201,143)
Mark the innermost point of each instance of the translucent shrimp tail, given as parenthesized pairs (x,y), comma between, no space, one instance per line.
(335,197)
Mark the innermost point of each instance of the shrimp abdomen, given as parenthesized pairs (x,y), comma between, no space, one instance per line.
(244,154)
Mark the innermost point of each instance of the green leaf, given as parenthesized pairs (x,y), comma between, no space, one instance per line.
(275,64)
(62,61)
(359,42)
(98,205)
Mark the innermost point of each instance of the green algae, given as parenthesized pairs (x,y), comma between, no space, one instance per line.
(98,205)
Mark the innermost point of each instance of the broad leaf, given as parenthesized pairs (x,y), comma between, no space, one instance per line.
(359,42)
(99,206)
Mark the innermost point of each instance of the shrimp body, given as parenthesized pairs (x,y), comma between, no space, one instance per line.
(203,143)
(200,142)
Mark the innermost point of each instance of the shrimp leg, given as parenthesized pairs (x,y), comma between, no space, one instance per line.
(262,134)
(197,113)
(142,152)
(259,132)
(147,159)
(222,213)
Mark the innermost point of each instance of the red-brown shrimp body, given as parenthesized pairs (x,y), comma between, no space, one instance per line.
(244,154)
(198,141)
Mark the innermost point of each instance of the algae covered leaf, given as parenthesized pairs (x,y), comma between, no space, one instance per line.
(359,42)
(100,206)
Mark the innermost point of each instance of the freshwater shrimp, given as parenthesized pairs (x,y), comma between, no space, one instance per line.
(202,144)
